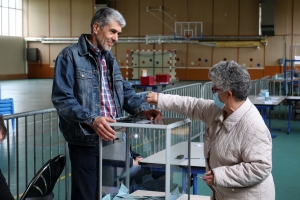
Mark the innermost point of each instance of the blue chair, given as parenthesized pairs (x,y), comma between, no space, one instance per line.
(7,108)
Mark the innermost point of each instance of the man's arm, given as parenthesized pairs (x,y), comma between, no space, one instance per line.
(63,97)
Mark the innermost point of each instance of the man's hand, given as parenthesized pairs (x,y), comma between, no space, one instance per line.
(152,114)
(152,98)
(209,178)
(136,161)
(102,129)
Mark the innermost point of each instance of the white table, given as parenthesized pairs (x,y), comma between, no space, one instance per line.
(197,160)
(182,197)
(262,104)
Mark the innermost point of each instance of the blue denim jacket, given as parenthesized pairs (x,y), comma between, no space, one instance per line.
(76,92)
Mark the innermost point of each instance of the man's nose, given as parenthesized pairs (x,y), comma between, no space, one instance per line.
(115,38)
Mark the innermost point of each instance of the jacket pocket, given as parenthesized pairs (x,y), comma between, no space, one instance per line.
(83,81)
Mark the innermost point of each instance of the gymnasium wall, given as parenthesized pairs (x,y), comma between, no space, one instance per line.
(12,65)
(70,18)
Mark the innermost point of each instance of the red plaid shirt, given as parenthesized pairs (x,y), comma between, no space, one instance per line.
(108,107)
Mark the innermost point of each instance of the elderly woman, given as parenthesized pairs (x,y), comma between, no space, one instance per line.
(237,143)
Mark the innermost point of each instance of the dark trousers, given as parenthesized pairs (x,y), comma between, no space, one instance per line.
(85,172)
(4,189)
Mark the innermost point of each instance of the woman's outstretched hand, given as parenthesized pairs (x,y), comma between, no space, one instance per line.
(152,98)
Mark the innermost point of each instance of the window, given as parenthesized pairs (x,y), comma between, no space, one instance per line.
(11,23)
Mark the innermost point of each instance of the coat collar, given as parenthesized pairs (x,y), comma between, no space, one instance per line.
(235,117)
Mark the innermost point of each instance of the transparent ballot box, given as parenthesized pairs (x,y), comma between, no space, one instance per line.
(163,150)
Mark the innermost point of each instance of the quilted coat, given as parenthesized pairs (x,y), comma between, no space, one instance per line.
(238,149)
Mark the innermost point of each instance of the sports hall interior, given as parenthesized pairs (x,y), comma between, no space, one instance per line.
(258,34)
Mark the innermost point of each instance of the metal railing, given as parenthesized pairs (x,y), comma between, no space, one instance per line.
(193,90)
(37,139)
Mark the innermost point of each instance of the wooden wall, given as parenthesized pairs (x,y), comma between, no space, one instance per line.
(70,18)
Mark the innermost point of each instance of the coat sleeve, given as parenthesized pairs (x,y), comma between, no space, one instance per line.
(256,164)
(195,108)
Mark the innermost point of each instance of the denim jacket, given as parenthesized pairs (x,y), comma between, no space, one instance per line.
(76,92)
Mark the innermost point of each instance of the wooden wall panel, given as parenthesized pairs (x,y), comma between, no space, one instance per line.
(226,17)
(181,74)
(220,54)
(197,74)
(38,19)
(283,17)
(272,70)
(249,17)
(199,56)
(252,57)
(150,25)
(201,10)
(274,50)
(81,16)
(178,10)
(296,17)
(39,71)
(60,18)
(130,11)
(55,49)
(256,73)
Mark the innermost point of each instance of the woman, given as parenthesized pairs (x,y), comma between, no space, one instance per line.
(237,143)
(5,193)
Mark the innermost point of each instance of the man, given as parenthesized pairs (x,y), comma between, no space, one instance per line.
(89,91)
(4,189)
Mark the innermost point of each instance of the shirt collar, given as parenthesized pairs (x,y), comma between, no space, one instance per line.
(95,49)
(235,117)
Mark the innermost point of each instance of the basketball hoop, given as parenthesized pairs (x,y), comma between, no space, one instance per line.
(188,36)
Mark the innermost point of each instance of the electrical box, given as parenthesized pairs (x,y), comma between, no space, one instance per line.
(32,54)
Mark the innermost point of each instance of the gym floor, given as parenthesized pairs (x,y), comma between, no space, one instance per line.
(35,94)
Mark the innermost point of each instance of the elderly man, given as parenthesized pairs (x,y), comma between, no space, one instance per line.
(89,91)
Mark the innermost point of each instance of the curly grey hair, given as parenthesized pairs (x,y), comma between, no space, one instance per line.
(229,75)
(105,16)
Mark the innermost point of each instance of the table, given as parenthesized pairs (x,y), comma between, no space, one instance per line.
(153,86)
(162,129)
(197,161)
(158,194)
(289,100)
(260,103)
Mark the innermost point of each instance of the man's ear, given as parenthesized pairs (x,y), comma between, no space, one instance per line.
(96,27)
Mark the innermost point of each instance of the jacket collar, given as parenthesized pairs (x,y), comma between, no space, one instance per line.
(83,47)
(235,117)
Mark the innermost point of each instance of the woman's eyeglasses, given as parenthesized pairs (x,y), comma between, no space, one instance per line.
(214,90)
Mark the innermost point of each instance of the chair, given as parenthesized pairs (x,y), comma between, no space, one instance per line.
(7,107)
(42,184)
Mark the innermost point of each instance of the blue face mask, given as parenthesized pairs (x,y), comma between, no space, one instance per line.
(217,101)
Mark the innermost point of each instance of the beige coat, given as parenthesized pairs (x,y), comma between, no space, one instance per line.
(238,149)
